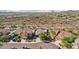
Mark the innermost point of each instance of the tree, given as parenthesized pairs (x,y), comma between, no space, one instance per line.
(16,38)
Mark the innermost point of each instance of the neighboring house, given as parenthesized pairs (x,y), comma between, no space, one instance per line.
(5,31)
(61,34)
(23,32)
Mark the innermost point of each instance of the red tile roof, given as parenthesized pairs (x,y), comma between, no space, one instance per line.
(61,34)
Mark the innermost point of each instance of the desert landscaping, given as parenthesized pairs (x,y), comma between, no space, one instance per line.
(39,30)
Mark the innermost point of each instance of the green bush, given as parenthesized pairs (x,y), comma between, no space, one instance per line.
(4,38)
(13,26)
(44,36)
(2,26)
(66,41)
(7,38)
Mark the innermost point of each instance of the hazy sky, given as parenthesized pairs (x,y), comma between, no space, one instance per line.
(39,4)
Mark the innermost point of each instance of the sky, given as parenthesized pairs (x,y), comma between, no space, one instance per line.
(39,4)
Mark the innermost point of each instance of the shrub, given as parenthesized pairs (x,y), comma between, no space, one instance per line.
(13,26)
(66,41)
(4,38)
(45,37)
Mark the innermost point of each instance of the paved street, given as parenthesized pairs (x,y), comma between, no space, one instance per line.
(31,45)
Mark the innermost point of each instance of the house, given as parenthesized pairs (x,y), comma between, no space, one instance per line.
(33,34)
(5,31)
(61,34)
(21,32)
(29,33)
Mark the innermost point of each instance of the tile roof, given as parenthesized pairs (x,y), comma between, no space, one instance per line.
(61,34)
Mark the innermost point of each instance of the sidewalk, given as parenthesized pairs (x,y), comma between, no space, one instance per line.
(24,41)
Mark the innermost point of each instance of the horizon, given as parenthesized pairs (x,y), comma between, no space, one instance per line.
(35,10)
